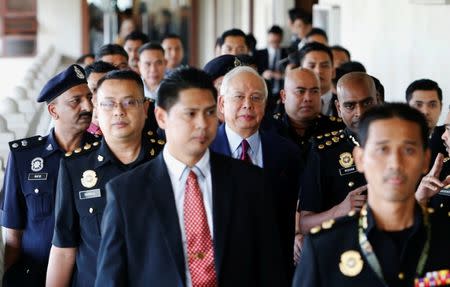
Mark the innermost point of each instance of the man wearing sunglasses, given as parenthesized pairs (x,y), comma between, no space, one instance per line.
(80,199)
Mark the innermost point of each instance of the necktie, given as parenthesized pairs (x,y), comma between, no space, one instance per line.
(244,151)
(200,249)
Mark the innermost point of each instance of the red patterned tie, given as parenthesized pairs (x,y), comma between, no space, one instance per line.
(244,151)
(200,249)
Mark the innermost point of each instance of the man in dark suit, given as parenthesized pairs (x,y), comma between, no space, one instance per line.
(190,217)
(242,101)
(268,60)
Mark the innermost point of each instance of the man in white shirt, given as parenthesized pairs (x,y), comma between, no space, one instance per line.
(152,65)
(190,217)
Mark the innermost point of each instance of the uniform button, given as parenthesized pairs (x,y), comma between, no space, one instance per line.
(27,271)
(401,276)
(91,210)
(351,184)
(36,190)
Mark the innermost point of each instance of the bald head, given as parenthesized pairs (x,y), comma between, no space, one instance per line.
(301,95)
(360,79)
(356,93)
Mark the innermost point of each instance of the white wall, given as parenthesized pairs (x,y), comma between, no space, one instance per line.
(398,42)
(59,24)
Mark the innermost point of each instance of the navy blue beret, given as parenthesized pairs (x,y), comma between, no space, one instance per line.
(221,65)
(70,77)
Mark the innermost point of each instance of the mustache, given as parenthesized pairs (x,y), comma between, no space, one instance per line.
(85,113)
(394,174)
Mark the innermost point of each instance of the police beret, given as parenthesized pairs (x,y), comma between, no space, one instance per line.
(221,65)
(70,77)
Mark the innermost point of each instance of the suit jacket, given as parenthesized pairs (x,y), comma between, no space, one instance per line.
(262,59)
(282,164)
(141,241)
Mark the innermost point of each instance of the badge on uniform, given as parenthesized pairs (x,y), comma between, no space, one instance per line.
(351,263)
(88,194)
(346,161)
(89,178)
(37,164)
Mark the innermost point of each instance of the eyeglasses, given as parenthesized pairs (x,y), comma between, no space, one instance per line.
(126,104)
(256,99)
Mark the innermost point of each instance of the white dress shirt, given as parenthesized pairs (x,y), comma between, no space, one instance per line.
(255,150)
(149,94)
(178,173)
(326,103)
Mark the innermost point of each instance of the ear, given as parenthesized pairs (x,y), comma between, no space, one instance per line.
(146,107)
(283,96)
(338,108)
(221,104)
(161,117)
(53,111)
(358,153)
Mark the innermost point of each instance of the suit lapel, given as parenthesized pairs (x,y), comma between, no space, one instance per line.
(269,148)
(165,204)
(222,198)
(220,144)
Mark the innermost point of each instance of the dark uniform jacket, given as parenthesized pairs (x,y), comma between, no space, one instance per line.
(30,186)
(81,199)
(319,126)
(333,256)
(330,172)
(442,199)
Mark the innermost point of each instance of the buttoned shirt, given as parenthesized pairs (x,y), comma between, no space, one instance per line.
(178,173)
(255,150)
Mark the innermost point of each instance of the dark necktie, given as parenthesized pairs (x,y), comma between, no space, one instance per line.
(244,151)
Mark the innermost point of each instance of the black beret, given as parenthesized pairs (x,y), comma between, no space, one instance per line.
(70,77)
(221,65)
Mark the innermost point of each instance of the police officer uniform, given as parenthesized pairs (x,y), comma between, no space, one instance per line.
(442,199)
(352,251)
(81,199)
(319,126)
(30,184)
(330,172)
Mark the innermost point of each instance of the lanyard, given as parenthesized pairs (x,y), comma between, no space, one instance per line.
(370,256)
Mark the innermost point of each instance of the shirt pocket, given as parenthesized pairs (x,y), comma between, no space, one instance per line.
(91,212)
(39,199)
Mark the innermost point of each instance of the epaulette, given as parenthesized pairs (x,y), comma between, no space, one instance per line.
(26,143)
(335,119)
(152,136)
(83,150)
(157,143)
(277,116)
(328,139)
(446,159)
(329,224)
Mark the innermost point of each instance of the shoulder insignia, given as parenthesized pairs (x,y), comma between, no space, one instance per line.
(328,139)
(26,143)
(83,150)
(446,159)
(315,229)
(327,224)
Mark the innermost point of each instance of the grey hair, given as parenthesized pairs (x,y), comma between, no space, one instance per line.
(239,70)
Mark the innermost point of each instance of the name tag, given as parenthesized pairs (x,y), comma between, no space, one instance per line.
(348,170)
(91,193)
(38,176)
(445,192)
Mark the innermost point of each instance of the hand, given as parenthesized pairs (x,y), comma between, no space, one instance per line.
(354,201)
(298,244)
(430,184)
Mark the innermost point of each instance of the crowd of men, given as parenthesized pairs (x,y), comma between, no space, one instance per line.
(273,167)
